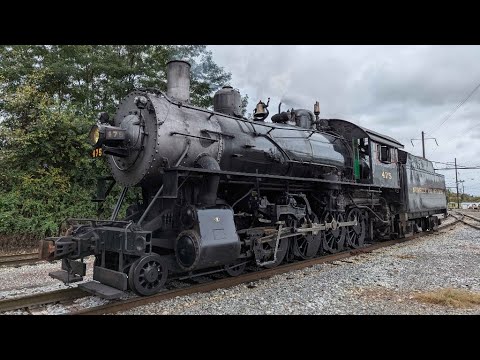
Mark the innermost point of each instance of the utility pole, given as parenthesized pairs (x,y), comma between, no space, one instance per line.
(423,142)
(456,183)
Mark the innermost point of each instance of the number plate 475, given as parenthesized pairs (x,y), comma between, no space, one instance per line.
(387,175)
(97,153)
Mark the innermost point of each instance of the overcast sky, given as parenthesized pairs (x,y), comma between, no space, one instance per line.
(395,90)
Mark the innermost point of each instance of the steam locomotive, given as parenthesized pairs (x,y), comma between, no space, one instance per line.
(220,192)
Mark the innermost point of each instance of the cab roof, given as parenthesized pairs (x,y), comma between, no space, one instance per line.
(351,130)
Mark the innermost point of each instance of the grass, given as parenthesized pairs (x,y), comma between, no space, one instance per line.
(450,297)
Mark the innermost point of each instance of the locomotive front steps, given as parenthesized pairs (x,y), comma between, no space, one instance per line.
(101,290)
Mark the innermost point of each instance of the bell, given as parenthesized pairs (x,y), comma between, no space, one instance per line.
(259,110)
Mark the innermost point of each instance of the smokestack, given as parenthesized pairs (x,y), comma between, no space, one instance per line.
(178,80)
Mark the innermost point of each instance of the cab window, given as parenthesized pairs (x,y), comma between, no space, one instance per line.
(385,153)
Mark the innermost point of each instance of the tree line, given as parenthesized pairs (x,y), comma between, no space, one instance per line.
(452,197)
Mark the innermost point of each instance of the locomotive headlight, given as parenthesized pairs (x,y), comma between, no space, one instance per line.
(110,135)
(94,135)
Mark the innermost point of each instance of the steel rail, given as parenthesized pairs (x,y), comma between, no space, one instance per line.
(19,259)
(42,299)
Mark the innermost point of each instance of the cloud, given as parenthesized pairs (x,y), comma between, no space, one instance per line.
(395,90)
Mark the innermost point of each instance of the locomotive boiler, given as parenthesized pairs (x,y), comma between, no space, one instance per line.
(220,192)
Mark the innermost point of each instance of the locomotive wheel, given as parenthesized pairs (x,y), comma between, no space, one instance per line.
(283,243)
(334,239)
(281,252)
(147,275)
(356,234)
(235,270)
(307,246)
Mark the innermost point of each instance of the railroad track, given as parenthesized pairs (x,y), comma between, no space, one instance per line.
(123,305)
(51,297)
(468,223)
(20,259)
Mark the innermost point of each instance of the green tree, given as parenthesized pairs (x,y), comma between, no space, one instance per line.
(45,172)
(98,76)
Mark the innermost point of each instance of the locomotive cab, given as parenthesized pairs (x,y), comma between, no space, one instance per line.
(375,155)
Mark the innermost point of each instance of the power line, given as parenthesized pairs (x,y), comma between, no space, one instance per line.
(450,137)
(464,167)
(456,108)
(439,162)
(459,168)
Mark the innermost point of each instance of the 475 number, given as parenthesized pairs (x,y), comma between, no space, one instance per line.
(387,175)
(97,153)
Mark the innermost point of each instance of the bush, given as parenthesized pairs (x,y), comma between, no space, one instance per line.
(39,201)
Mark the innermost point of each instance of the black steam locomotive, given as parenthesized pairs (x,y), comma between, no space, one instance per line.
(220,191)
